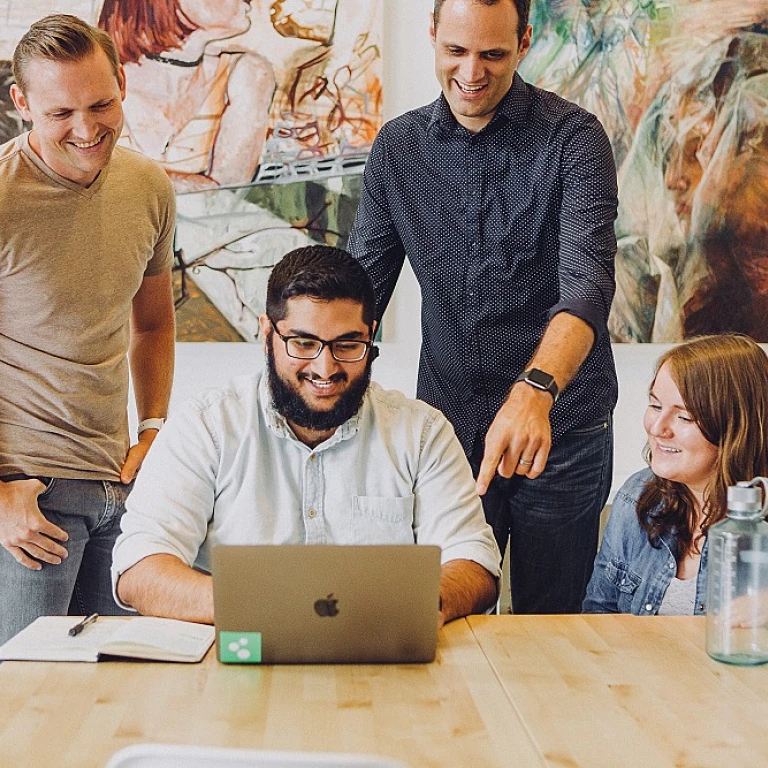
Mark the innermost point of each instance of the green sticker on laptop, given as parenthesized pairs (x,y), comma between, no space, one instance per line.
(240,647)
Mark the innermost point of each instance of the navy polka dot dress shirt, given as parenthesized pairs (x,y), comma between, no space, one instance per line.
(504,228)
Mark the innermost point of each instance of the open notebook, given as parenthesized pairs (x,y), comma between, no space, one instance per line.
(138,637)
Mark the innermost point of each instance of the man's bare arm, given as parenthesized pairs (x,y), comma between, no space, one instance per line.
(162,585)
(564,347)
(465,587)
(151,354)
(521,428)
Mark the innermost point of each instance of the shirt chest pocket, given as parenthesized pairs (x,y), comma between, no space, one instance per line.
(625,580)
(383,520)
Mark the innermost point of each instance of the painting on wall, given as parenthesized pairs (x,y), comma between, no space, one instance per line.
(262,112)
(681,87)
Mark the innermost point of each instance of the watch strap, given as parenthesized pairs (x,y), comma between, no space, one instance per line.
(539,379)
(154,423)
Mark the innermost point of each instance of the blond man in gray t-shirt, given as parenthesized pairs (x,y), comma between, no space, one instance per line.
(85,292)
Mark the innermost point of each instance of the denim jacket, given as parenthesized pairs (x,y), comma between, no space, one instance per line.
(630,575)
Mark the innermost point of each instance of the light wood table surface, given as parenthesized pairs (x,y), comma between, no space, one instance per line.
(450,713)
(627,691)
(504,691)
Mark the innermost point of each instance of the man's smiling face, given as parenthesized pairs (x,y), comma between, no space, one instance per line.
(76,111)
(477,50)
(317,396)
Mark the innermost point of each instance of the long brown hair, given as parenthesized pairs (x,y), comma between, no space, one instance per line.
(723,381)
(141,27)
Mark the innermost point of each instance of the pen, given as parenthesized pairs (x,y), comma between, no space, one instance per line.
(81,625)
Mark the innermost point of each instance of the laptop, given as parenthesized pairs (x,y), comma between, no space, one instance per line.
(329,604)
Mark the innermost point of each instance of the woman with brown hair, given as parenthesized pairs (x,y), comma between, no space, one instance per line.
(706,423)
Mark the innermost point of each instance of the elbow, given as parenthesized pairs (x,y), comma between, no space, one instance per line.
(133,585)
(125,588)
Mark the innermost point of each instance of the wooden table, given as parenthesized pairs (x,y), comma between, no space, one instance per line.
(627,691)
(450,713)
(505,691)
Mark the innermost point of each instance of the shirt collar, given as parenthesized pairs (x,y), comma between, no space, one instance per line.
(511,109)
(279,425)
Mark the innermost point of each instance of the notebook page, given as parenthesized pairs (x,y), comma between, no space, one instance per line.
(47,639)
(162,639)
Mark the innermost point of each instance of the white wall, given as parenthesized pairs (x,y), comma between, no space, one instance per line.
(409,82)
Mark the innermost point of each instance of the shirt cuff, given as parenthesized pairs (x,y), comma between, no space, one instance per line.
(126,555)
(485,556)
(585,311)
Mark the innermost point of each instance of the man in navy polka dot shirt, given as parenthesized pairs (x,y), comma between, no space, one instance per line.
(503,198)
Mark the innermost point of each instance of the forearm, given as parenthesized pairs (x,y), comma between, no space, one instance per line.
(162,585)
(465,587)
(152,360)
(564,347)
(520,436)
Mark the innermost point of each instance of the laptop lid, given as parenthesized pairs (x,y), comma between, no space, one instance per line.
(299,604)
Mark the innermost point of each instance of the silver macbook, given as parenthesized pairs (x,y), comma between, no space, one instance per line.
(301,604)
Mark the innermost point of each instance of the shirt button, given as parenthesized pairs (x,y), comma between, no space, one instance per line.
(648,607)
(671,566)
(312,513)
(314,456)
(701,606)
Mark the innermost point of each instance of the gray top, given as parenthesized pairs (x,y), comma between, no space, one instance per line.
(679,599)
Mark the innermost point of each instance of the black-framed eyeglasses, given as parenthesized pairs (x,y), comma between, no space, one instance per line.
(305,348)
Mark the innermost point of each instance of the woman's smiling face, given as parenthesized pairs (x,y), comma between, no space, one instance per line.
(679,450)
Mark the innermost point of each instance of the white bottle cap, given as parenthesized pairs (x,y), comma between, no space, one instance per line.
(747,497)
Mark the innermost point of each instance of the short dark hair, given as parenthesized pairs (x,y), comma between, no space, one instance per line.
(321,272)
(523,8)
(61,37)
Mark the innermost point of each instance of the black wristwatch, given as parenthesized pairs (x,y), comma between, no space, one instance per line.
(540,380)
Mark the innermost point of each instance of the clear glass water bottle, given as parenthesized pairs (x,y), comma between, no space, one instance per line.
(737,578)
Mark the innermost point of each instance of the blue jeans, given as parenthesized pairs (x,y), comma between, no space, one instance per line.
(89,511)
(552,522)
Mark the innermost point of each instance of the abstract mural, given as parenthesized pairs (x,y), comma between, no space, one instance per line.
(681,87)
(262,112)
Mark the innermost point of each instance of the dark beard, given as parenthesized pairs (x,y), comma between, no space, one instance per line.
(290,404)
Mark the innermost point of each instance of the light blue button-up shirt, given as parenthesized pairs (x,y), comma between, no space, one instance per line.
(227,469)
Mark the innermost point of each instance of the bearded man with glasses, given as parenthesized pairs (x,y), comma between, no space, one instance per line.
(310,452)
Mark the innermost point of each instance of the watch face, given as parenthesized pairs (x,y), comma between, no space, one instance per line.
(539,378)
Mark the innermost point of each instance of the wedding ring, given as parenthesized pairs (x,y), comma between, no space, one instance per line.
(525,463)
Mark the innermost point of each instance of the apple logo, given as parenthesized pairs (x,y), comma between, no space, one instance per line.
(326,606)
